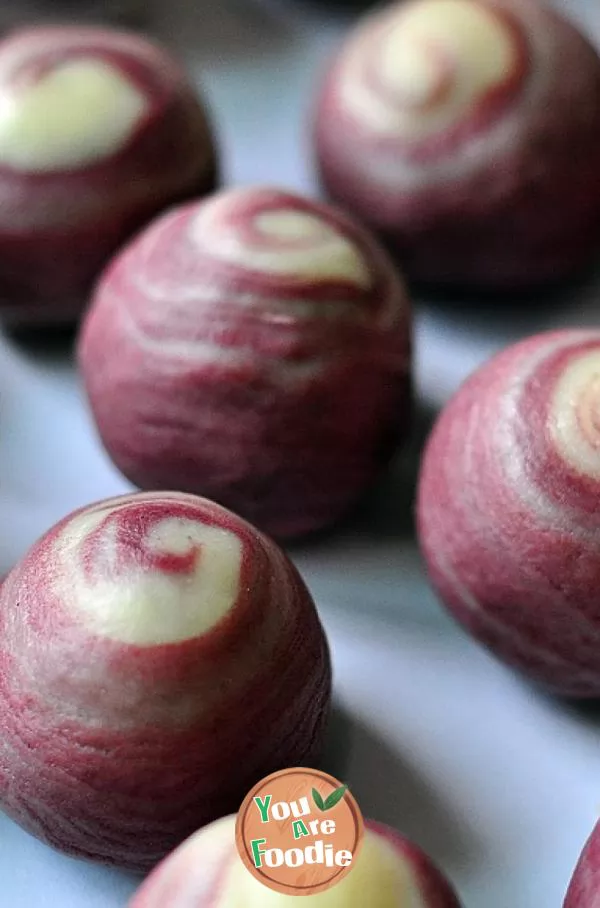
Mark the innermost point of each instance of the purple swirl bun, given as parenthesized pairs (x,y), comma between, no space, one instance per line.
(207,872)
(158,657)
(467,132)
(508,513)
(99,131)
(253,348)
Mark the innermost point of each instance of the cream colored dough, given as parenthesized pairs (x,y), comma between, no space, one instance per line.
(77,114)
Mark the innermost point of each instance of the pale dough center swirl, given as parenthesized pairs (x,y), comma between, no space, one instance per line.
(430,65)
(167,582)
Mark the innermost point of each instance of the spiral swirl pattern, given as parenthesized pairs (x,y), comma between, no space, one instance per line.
(206,872)
(584,891)
(444,123)
(508,514)
(248,342)
(248,268)
(158,656)
(423,69)
(126,591)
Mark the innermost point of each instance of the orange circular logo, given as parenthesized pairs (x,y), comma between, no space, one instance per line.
(299,831)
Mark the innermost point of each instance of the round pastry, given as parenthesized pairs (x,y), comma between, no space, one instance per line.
(158,657)
(253,348)
(467,132)
(207,872)
(99,131)
(584,891)
(508,508)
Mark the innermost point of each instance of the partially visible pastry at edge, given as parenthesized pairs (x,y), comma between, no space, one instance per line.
(99,131)
(508,510)
(207,872)
(468,133)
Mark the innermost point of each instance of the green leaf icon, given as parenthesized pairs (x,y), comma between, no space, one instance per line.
(335,797)
(318,799)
